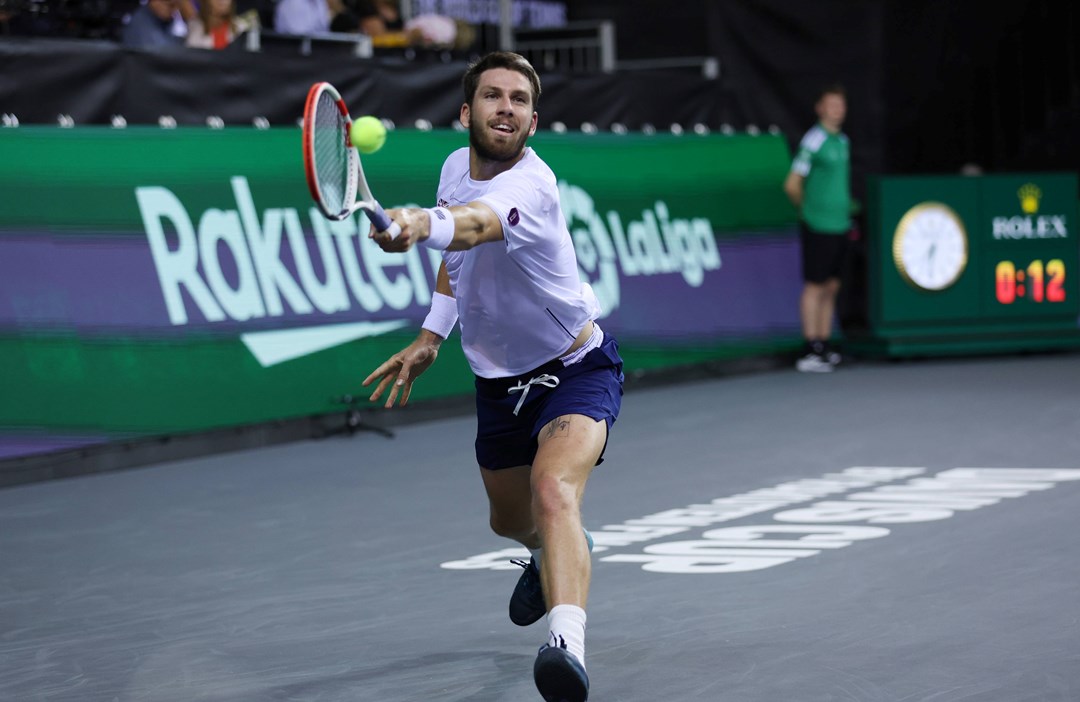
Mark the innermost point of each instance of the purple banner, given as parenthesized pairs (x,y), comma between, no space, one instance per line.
(745,286)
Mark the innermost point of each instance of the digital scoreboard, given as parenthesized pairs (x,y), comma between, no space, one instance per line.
(963,264)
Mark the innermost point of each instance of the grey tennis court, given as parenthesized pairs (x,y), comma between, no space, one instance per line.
(896,531)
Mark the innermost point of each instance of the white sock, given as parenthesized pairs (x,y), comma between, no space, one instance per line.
(566,625)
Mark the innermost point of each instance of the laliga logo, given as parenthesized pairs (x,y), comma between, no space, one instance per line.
(608,247)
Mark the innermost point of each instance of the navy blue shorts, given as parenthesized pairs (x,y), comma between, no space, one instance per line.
(592,387)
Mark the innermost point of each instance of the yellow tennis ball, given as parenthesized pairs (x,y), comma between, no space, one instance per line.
(367,134)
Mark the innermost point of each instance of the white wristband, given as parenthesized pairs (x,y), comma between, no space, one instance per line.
(443,315)
(440,230)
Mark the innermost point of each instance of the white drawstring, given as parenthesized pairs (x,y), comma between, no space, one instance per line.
(550,381)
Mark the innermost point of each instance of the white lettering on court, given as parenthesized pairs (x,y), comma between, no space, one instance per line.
(801,532)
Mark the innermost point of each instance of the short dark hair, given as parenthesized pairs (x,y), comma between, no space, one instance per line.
(833,89)
(500,59)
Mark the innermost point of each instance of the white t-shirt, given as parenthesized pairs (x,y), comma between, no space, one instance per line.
(521,302)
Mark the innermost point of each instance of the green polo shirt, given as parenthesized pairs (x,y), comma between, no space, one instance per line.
(824,160)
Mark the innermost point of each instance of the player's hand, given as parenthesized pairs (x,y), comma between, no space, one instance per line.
(408,220)
(400,370)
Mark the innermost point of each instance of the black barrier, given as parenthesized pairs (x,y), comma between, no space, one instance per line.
(91,81)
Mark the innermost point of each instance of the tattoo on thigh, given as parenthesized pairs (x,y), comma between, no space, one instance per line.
(560,426)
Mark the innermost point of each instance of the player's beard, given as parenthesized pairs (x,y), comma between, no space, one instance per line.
(485,147)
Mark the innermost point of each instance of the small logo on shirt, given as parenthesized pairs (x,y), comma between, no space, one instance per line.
(513,218)
(443,203)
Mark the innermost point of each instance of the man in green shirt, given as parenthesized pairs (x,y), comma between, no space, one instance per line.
(819,185)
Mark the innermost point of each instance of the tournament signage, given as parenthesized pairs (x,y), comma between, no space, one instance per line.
(1031,249)
(1031,224)
(179,280)
(237,264)
(969,264)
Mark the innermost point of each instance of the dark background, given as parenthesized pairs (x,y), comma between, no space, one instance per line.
(932,85)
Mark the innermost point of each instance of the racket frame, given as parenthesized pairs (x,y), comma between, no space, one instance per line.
(356,182)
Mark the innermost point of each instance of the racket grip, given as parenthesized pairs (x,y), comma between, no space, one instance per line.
(383,223)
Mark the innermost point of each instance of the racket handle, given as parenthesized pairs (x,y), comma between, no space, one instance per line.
(383,223)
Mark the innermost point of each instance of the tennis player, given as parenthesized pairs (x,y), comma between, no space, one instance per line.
(548,378)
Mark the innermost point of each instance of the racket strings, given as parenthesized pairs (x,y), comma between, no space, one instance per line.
(331,155)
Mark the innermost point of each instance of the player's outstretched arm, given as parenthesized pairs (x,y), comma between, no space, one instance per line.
(456,228)
(400,370)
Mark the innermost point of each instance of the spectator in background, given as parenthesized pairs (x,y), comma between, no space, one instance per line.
(437,32)
(217,24)
(819,185)
(155,24)
(381,20)
(371,17)
(261,10)
(304,17)
(390,14)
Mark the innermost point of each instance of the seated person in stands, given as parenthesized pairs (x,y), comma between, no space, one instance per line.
(156,24)
(305,17)
(366,16)
(381,20)
(217,24)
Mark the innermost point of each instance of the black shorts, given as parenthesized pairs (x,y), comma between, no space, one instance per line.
(823,255)
(592,387)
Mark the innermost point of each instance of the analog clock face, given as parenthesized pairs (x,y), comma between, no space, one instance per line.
(930,246)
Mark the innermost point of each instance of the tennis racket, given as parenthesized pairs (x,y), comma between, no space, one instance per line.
(332,163)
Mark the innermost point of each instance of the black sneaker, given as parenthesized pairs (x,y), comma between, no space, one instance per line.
(527,603)
(559,676)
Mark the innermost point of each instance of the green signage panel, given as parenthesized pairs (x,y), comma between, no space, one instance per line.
(156,281)
(1028,233)
(974,263)
(920,219)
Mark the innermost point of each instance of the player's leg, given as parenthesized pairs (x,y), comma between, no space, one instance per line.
(504,452)
(505,449)
(510,501)
(569,447)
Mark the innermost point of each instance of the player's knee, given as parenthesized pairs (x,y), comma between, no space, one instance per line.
(552,497)
(516,528)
